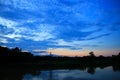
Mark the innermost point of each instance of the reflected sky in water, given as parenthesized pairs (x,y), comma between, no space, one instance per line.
(99,74)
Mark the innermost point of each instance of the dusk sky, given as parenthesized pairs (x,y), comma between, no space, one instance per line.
(63,27)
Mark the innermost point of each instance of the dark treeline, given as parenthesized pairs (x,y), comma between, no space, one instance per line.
(14,63)
(16,56)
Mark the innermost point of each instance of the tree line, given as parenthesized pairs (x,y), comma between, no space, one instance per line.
(15,55)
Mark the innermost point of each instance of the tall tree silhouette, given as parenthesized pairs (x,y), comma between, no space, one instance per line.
(92,54)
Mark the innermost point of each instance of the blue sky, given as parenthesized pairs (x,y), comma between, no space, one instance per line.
(74,25)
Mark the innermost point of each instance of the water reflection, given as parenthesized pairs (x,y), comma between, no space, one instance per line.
(91,70)
(16,73)
(89,73)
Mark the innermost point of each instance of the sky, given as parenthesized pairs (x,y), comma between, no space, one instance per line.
(63,27)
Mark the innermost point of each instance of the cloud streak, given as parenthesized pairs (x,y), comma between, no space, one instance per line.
(58,23)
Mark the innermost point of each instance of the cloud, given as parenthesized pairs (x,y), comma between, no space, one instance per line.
(18,4)
(32,35)
(3,40)
(8,23)
(14,30)
(99,34)
(57,36)
(70,2)
(71,24)
(75,44)
(39,51)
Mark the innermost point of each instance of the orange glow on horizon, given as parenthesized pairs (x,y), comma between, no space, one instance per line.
(68,52)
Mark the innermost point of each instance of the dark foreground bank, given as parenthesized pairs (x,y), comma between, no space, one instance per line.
(16,58)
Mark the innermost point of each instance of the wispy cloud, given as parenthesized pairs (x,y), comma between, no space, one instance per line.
(13,30)
(71,24)
(99,34)
(3,40)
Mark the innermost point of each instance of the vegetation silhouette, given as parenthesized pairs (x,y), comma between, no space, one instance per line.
(15,57)
(14,63)
(92,54)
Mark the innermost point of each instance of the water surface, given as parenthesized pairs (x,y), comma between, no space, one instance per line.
(108,73)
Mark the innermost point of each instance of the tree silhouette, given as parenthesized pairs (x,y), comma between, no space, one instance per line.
(119,54)
(16,50)
(16,57)
(91,54)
